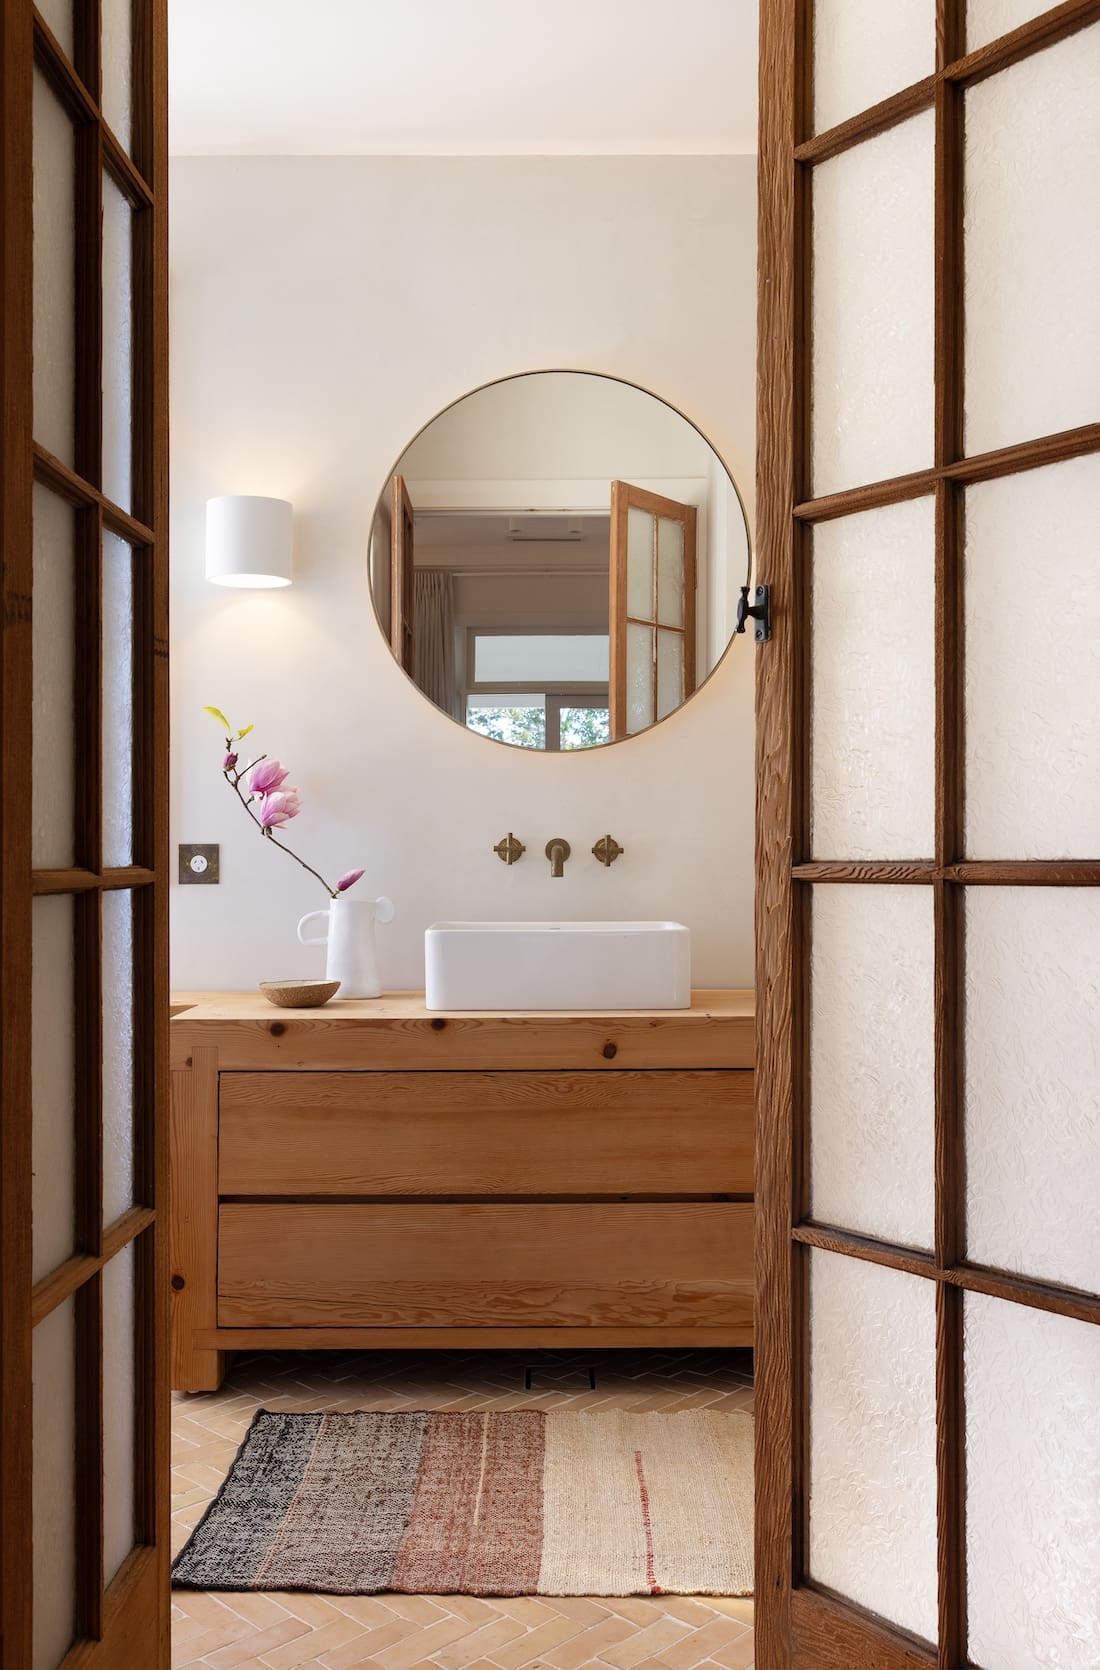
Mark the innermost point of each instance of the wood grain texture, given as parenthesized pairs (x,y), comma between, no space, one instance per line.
(194,1221)
(16,338)
(135,1610)
(396,1032)
(68,485)
(580,1265)
(733,1333)
(785,28)
(485,1133)
(987,466)
(1043,30)
(829,1634)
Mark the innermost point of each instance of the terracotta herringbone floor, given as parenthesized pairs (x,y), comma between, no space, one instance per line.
(448,1632)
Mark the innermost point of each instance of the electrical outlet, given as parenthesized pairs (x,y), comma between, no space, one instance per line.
(199,865)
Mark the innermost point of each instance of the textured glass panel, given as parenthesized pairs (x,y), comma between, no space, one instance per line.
(118,701)
(59,15)
(117,67)
(1033,1081)
(865,50)
(53,1054)
(52,790)
(873,1438)
(118,332)
(872,1061)
(670,572)
(639,676)
(872,309)
(1032,716)
(670,672)
(54,1487)
(987,19)
(54,255)
(1032,1487)
(873,684)
(640,537)
(118,1054)
(1032,246)
(119,1399)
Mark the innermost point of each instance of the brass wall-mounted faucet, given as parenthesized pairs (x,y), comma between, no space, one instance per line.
(557,851)
(509,850)
(607,849)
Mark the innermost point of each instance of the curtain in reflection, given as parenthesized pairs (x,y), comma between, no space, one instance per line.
(434,638)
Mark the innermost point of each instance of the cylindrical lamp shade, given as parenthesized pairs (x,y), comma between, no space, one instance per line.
(248,541)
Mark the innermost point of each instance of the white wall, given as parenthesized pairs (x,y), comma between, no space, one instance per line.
(323,309)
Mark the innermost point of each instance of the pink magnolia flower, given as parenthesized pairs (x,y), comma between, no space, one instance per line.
(348,881)
(229,762)
(278,807)
(266,776)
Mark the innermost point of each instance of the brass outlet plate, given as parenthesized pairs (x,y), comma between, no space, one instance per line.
(200,864)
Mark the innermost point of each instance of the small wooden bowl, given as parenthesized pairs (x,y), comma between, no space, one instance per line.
(299,994)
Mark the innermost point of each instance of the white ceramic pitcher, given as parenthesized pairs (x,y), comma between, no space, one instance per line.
(349,935)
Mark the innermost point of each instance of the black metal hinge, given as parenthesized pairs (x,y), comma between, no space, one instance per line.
(760,613)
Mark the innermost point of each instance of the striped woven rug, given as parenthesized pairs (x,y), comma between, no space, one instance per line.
(519,1502)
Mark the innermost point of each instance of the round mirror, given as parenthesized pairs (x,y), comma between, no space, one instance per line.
(557,558)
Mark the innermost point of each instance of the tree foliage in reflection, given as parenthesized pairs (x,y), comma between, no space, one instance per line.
(584,727)
(525,727)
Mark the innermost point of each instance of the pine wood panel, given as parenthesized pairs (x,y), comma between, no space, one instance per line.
(194,1220)
(472,1265)
(485,1133)
(396,1032)
(265,1338)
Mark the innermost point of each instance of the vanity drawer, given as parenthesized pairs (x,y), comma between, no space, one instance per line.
(472,1266)
(485,1133)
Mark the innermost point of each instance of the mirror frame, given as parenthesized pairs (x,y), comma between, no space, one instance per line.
(511,377)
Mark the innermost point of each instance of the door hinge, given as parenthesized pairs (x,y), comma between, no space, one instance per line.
(759,612)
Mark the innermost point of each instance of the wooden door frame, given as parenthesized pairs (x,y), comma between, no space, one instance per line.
(128,1622)
(797,1624)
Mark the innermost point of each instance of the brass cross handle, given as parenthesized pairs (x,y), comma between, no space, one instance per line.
(509,849)
(607,849)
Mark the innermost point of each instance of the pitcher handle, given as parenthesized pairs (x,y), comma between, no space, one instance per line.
(312,916)
(383,910)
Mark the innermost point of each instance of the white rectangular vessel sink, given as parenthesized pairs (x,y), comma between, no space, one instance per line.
(557,965)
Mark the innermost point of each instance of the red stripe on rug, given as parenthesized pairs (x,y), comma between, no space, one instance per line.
(647,1526)
(476,1521)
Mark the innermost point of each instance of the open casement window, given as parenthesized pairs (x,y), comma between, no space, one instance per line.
(540,689)
(84,1274)
(928,878)
(651,607)
(402,593)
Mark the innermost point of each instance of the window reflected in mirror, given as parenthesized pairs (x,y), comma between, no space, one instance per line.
(556,561)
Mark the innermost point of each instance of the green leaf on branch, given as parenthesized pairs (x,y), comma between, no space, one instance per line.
(216,713)
(242,734)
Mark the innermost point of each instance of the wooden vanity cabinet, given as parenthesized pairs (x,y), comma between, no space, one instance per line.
(370,1175)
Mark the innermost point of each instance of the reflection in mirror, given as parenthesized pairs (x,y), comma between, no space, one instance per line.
(556,560)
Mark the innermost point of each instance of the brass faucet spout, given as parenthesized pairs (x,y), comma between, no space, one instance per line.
(557,851)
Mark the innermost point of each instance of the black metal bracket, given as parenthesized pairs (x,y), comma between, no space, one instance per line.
(760,612)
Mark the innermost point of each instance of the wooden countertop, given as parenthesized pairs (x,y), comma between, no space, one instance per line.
(396,1032)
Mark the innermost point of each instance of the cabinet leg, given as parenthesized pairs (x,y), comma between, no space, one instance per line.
(199,1371)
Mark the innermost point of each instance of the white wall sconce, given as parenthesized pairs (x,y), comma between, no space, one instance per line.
(249,541)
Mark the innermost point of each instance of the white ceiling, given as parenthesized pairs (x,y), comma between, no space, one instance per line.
(462,77)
